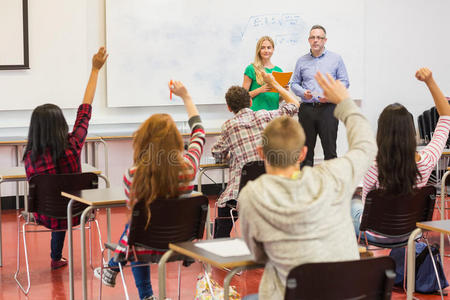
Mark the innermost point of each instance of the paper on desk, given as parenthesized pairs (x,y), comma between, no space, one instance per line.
(227,248)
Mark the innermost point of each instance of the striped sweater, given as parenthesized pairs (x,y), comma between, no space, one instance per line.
(192,161)
(429,157)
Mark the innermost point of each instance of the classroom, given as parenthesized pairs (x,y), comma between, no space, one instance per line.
(206,45)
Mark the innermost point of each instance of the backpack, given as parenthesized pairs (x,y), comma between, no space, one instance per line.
(426,281)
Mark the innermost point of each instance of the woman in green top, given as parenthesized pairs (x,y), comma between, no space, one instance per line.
(253,81)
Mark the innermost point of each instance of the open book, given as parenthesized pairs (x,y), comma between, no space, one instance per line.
(282,78)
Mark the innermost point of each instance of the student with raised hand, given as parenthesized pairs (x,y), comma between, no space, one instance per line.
(291,217)
(51,149)
(254,82)
(399,167)
(157,173)
(239,140)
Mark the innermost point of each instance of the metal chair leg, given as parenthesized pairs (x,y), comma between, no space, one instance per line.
(100,241)
(179,279)
(162,274)
(123,282)
(90,245)
(435,269)
(232,220)
(27,290)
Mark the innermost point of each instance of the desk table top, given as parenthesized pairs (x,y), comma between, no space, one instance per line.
(442,226)
(18,173)
(189,249)
(99,197)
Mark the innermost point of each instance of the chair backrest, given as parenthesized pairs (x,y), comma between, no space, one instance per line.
(396,215)
(421,124)
(428,124)
(370,278)
(172,220)
(45,193)
(251,171)
(434,118)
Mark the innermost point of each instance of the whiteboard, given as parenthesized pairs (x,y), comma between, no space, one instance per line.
(208,43)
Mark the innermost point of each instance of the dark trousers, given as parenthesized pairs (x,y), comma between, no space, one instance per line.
(57,244)
(318,119)
(223,223)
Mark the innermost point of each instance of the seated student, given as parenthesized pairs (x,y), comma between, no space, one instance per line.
(157,172)
(398,167)
(291,217)
(239,139)
(52,150)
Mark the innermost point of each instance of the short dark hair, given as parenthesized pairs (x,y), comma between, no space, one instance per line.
(237,98)
(318,27)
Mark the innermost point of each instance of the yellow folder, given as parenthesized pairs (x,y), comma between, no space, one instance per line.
(282,78)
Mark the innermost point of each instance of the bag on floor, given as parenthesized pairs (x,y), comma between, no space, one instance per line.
(204,289)
(426,281)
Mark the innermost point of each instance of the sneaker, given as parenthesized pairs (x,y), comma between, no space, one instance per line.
(152,297)
(108,278)
(56,264)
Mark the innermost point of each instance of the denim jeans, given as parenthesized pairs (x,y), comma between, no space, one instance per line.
(57,244)
(357,209)
(141,274)
(251,297)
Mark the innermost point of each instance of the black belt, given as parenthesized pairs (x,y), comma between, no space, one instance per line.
(316,104)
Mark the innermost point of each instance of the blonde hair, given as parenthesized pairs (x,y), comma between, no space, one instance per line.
(257,63)
(283,140)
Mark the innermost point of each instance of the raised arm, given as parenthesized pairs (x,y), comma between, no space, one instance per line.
(180,90)
(361,141)
(97,63)
(288,97)
(442,106)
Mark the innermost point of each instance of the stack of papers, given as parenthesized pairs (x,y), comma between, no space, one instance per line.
(226,248)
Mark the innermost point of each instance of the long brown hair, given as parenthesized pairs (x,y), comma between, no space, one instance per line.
(396,140)
(158,148)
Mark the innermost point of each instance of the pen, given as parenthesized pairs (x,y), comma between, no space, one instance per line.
(170,85)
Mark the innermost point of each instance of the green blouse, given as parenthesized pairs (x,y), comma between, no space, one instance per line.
(268,101)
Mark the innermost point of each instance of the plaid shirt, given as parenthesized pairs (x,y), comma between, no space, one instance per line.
(240,137)
(69,163)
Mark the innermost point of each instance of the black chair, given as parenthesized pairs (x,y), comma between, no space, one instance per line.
(428,125)
(250,171)
(395,216)
(172,220)
(421,125)
(45,198)
(370,278)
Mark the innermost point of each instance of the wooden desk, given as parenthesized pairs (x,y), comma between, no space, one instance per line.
(442,226)
(95,198)
(17,174)
(234,263)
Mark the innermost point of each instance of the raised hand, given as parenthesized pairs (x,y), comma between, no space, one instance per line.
(99,58)
(178,88)
(333,90)
(268,78)
(424,74)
